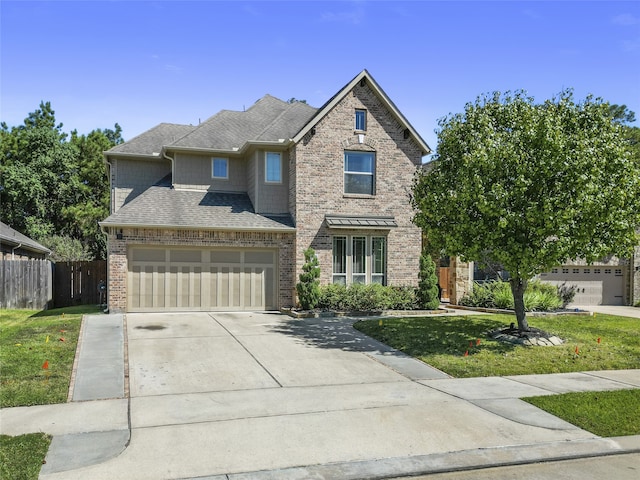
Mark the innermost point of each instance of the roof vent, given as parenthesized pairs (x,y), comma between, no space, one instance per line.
(406,133)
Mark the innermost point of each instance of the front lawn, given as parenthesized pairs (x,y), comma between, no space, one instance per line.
(459,346)
(21,457)
(37,350)
(607,414)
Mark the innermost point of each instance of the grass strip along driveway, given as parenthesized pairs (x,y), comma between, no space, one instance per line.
(459,346)
(37,350)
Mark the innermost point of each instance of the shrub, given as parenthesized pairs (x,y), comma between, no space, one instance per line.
(428,291)
(566,294)
(541,297)
(538,296)
(309,287)
(480,296)
(401,298)
(366,298)
(332,297)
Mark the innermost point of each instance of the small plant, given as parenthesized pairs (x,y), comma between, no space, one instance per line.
(309,286)
(566,293)
(428,290)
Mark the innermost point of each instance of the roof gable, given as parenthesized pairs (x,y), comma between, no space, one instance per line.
(363,76)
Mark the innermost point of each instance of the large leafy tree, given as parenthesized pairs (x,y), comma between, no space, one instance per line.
(52,185)
(530,185)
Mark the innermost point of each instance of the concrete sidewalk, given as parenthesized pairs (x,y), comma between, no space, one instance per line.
(264,396)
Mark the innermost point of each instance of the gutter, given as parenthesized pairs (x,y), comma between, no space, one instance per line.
(104,225)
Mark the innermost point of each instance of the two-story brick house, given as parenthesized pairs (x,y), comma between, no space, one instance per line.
(217,216)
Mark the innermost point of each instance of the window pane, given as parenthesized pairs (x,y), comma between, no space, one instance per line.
(358,162)
(273,167)
(340,255)
(359,255)
(358,183)
(220,168)
(361,120)
(378,254)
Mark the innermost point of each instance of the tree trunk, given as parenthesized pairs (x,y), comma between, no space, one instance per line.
(518,286)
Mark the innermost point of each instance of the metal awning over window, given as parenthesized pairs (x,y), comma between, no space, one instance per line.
(360,221)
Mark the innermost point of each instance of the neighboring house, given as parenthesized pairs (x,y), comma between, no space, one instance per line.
(217,216)
(612,281)
(16,246)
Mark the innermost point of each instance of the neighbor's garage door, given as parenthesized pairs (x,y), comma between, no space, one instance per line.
(594,285)
(205,279)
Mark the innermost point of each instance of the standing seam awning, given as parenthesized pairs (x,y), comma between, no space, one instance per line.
(360,221)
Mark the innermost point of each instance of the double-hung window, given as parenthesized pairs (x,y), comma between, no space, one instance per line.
(359,172)
(220,168)
(359,259)
(273,167)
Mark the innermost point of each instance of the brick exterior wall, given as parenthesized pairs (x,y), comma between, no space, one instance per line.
(118,266)
(317,184)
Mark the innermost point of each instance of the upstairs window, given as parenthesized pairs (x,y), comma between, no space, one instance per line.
(361,120)
(359,173)
(273,167)
(220,168)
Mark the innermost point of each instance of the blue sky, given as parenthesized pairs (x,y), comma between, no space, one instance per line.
(140,63)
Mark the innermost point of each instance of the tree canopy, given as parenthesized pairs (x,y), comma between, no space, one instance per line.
(530,185)
(54,184)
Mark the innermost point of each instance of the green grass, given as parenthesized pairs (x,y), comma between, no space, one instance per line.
(21,457)
(607,414)
(441,341)
(24,349)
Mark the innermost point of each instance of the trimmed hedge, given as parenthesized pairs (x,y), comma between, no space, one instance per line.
(367,298)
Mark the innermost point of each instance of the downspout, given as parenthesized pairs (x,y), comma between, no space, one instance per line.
(173,173)
(13,256)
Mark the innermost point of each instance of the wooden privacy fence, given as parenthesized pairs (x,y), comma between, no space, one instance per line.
(26,284)
(78,283)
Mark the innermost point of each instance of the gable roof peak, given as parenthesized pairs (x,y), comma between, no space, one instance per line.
(364,75)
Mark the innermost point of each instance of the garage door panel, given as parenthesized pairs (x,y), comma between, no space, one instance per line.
(190,279)
(594,285)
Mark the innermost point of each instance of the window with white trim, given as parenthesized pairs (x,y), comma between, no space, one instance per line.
(359,259)
(220,168)
(273,167)
(359,172)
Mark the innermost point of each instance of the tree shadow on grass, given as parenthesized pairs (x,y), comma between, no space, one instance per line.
(331,333)
(415,336)
(450,335)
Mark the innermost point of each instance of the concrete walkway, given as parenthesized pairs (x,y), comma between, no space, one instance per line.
(264,396)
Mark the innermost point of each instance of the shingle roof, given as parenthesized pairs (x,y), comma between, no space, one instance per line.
(151,141)
(269,119)
(163,206)
(12,237)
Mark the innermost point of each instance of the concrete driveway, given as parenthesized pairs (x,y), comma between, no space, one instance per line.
(260,395)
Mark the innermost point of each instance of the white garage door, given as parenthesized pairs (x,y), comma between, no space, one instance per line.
(594,285)
(179,279)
